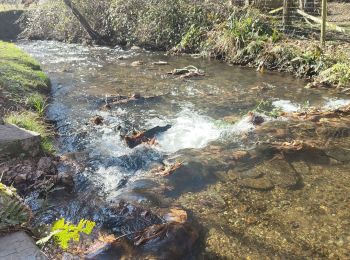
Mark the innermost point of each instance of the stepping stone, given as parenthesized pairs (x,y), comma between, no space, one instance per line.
(15,141)
(19,246)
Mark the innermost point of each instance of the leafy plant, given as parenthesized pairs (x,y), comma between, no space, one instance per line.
(64,232)
(12,210)
(266,107)
(191,41)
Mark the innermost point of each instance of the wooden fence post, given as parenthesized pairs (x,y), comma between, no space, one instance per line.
(323,24)
(286,14)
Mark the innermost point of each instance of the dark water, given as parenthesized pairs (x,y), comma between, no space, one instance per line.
(82,77)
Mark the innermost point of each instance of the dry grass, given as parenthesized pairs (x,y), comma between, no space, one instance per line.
(10,7)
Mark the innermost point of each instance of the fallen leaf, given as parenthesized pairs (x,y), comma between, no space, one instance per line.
(176,215)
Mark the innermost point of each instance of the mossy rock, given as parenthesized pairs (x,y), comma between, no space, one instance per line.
(14,213)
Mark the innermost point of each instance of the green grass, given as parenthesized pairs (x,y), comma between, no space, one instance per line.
(20,73)
(24,83)
(33,122)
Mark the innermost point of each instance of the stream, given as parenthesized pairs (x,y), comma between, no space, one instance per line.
(208,119)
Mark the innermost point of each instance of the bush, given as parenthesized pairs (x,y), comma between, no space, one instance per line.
(338,74)
(52,21)
(237,32)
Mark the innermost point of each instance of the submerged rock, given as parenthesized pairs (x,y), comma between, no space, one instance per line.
(167,241)
(97,120)
(269,174)
(66,179)
(255,118)
(263,183)
(280,172)
(136,98)
(137,63)
(240,155)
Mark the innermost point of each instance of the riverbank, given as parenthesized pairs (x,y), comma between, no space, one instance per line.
(238,36)
(24,89)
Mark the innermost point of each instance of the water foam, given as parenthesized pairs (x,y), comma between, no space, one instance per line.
(286,106)
(189,130)
(336,103)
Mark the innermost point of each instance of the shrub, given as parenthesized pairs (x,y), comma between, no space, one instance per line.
(237,32)
(338,74)
(52,20)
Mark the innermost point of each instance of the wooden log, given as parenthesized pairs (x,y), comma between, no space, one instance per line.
(147,136)
(274,11)
(330,25)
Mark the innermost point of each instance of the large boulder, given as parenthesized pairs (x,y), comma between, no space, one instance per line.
(15,141)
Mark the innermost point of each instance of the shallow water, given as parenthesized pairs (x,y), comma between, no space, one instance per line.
(83,77)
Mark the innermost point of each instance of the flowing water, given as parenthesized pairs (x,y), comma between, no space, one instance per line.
(208,118)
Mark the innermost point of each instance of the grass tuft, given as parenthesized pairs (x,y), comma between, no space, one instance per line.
(37,102)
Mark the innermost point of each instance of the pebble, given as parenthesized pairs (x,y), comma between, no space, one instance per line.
(136,63)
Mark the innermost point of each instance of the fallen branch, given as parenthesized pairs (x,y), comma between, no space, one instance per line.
(187,72)
(144,137)
(332,26)
(167,169)
(276,10)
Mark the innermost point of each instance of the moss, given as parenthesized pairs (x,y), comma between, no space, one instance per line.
(32,122)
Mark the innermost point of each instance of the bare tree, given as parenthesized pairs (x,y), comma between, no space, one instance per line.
(92,33)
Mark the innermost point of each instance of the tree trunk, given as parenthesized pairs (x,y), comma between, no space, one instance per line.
(95,36)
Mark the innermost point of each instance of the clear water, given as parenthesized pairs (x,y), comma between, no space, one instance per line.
(82,77)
